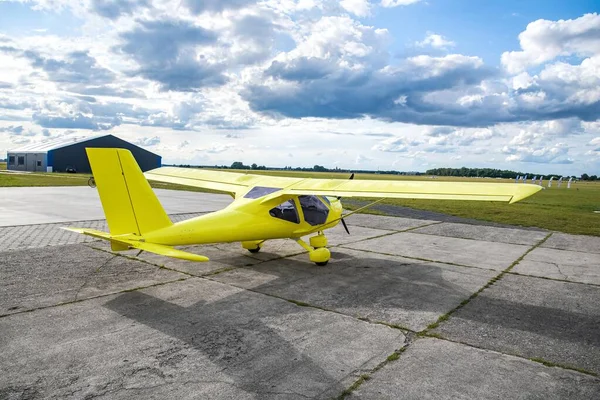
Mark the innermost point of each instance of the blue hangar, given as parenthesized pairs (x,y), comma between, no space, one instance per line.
(68,155)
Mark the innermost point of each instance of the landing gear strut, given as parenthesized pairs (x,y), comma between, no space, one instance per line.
(317,251)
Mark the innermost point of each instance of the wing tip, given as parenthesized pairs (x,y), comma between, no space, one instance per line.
(524,191)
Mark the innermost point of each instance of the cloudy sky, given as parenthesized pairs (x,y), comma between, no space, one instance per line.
(380,84)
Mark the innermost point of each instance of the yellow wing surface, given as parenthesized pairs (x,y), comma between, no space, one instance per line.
(229,182)
(239,183)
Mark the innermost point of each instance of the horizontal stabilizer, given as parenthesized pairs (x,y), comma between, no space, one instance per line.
(160,249)
(167,251)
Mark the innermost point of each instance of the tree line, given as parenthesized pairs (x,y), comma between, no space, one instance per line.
(498,173)
(463,172)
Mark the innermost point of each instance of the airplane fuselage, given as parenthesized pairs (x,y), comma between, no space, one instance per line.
(245,220)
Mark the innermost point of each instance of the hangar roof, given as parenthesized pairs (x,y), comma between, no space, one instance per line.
(42,147)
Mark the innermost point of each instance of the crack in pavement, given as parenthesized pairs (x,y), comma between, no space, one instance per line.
(85,282)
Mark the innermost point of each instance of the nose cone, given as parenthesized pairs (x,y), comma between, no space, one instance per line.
(336,208)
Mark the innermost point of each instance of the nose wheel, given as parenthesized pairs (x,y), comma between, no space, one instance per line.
(317,250)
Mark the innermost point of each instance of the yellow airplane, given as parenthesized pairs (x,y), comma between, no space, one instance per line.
(265,207)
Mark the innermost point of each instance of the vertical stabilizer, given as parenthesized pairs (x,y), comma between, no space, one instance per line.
(129,202)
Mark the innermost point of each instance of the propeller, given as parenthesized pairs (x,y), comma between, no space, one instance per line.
(344,222)
(345,226)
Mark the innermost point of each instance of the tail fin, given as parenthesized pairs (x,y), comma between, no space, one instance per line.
(128,201)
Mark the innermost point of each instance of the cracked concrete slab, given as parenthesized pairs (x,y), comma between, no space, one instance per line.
(533,318)
(561,264)
(36,278)
(394,290)
(564,241)
(188,340)
(211,338)
(473,253)
(385,222)
(488,233)
(81,203)
(438,369)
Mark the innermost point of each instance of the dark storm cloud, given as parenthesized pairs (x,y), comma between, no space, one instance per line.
(108,91)
(165,52)
(200,6)
(77,121)
(301,69)
(11,104)
(78,72)
(9,49)
(310,87)
(321,89)
(79,67)
(89,99)
(257,34)
(113,9)
(13,129)
(557,102)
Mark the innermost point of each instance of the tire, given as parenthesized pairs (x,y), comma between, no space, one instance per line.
(254,250)
(322,264)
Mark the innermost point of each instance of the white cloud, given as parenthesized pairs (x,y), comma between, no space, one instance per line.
(545,40)
(361,159)
(556,154)
(360,8)
(396,3)
(216,148)
(292,73)
(436,41)
(396,145)
(148,141)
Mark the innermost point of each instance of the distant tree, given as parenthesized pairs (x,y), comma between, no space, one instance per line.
(593,178)
(585,177)
(319,168)
(254,166)
(239,165)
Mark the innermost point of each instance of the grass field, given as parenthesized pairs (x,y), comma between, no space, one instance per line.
(559,209)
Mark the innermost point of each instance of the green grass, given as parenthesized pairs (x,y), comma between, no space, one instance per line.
(563,210)
(42,179)
(2,166)
(557,209)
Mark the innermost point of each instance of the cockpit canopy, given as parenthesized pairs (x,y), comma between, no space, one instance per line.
(315,211)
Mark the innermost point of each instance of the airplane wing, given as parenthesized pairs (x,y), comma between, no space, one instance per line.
(397,189)
(228,182)
(236,183)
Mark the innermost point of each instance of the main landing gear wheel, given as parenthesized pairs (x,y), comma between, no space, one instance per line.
(253,246)
(322,264)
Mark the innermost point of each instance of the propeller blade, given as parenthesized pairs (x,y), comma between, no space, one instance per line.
(339,197)
(345,226)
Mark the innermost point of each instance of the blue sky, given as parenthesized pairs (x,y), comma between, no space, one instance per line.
(386,84)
